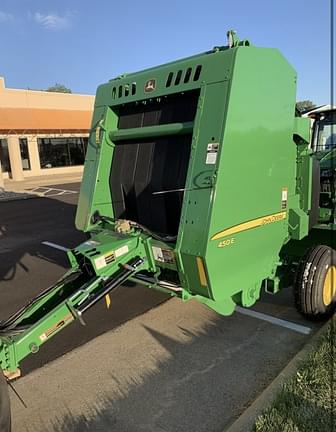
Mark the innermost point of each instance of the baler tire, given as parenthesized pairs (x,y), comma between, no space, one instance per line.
(5,413)
(310,283)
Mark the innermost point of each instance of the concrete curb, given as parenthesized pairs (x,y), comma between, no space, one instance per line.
(246,420)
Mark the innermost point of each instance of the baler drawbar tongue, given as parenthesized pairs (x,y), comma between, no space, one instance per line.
(59,305)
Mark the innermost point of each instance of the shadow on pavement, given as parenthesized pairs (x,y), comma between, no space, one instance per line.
(24,224)
(202,384)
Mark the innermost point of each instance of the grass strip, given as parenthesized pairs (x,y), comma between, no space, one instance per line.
(307,402)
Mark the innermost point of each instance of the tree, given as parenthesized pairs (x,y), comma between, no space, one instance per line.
(305,105)
(60,88)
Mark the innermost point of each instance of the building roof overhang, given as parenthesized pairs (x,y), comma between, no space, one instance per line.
(28,120)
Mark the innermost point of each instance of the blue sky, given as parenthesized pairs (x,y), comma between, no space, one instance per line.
(83,43)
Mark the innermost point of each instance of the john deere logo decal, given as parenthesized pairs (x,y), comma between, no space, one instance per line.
(150,85)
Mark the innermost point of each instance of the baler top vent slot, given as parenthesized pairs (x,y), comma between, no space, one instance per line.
(186,76)
(178,77)
(197,72)
(169,79)
(124,90)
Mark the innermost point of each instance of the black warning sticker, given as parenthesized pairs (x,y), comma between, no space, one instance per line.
(104,260)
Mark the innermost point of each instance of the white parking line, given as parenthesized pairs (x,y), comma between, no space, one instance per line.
(273,320)
(55,246)
(49,192)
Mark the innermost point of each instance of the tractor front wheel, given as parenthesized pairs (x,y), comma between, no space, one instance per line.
(315,285)
(5,414)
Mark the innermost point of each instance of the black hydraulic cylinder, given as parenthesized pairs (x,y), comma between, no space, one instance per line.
(113,282)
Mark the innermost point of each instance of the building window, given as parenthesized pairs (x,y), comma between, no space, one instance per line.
(24,153)
(61,152)
(4,156)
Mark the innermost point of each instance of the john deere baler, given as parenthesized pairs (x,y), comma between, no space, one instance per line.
(198,182)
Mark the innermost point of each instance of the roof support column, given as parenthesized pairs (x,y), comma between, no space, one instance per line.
(15,157)
(2,185)
(34,156)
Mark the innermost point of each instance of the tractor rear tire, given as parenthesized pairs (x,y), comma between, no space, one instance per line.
(5,414)
(315,284)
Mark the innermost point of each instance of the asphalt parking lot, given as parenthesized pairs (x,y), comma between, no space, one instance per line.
(156,366)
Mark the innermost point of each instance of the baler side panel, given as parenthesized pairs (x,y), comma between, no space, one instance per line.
(256,175)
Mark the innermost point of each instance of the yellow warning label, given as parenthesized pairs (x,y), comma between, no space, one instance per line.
(56,327)
(108,301)
(201,271)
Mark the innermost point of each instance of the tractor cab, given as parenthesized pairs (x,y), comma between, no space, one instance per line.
(324,131)
(323,146)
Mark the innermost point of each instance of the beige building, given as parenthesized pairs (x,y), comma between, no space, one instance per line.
(42,132)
